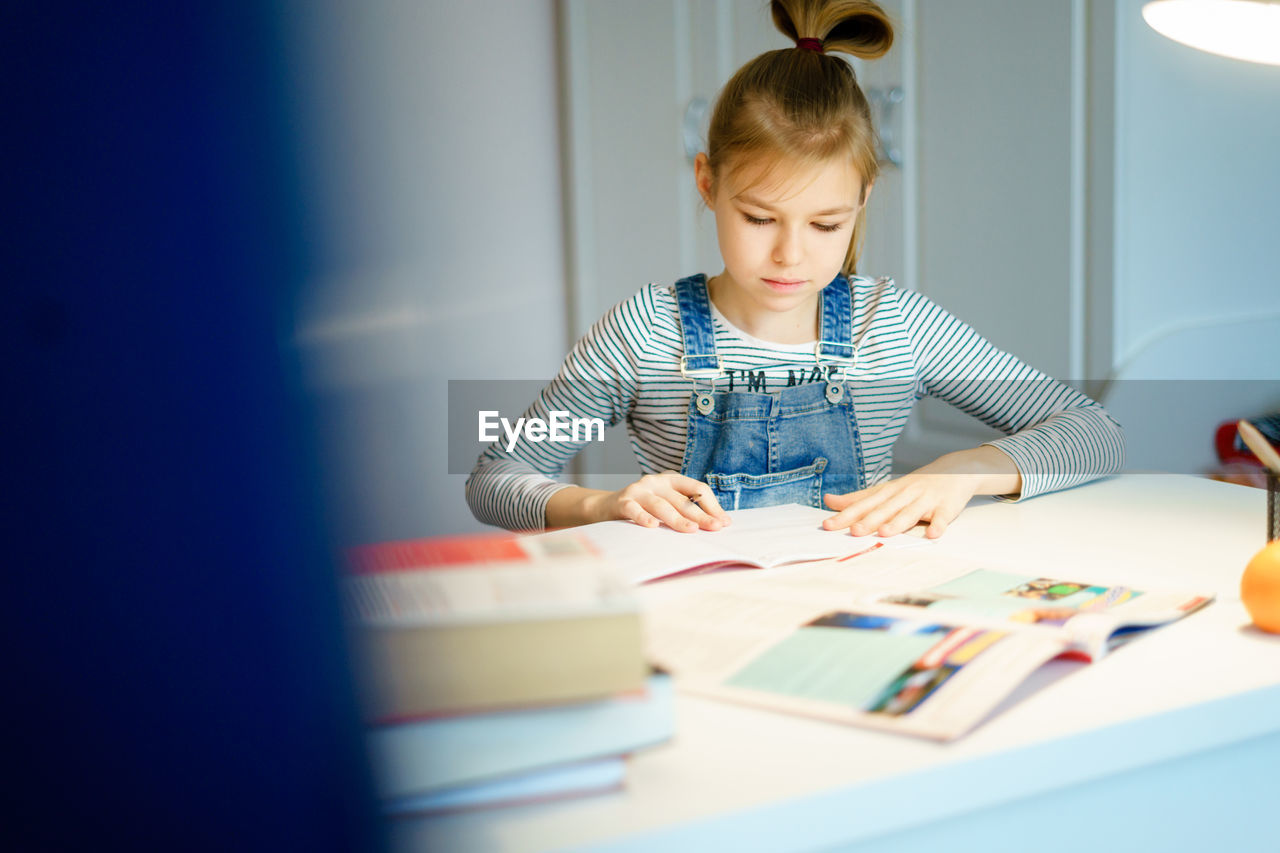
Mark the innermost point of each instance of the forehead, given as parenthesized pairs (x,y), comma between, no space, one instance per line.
(779,180)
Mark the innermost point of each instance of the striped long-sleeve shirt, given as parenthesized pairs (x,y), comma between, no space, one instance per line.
(627,369)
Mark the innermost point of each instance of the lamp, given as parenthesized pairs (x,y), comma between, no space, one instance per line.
(1240,29)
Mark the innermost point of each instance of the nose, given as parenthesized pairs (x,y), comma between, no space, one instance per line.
(787,249)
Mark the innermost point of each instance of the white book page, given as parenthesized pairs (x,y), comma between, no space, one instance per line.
(763,538)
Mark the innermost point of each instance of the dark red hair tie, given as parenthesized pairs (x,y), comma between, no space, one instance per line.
(810,44)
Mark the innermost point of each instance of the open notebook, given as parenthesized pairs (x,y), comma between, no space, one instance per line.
(757,539)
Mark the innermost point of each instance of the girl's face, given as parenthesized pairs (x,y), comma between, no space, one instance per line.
(783,237)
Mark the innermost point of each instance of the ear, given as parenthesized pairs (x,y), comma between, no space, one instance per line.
(702,177)
(866,193)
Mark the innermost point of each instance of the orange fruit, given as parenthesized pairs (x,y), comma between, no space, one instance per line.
(1260,588)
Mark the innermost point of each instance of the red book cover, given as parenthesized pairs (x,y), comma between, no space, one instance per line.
(453,551)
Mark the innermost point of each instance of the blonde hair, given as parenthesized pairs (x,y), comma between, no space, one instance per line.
(801,105)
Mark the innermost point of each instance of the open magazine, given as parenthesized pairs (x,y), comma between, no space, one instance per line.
(926,646)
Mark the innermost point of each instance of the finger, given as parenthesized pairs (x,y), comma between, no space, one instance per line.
(701,495)
(839,502)
(854,515)
(710,504)
(694,508)
(688,507)
(660,507)
(874,517)
(942,518)
(631,510)
(855,504)
(850,514)
(906,517)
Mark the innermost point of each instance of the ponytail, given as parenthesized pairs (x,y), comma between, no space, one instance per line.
(856,27)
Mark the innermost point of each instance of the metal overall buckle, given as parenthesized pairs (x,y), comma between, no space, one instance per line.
(704,400)
(836,370)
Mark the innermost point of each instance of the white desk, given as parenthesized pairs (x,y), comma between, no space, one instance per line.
(1171,743)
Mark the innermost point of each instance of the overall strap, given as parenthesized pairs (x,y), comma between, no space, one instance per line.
(699,360)
(836,339)
(835,350)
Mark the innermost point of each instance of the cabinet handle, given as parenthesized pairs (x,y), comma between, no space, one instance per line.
(882,103)
(695,114)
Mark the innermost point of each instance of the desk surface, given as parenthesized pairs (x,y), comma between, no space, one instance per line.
(757,780)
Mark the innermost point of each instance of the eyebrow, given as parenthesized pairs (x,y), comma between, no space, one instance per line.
(754,202)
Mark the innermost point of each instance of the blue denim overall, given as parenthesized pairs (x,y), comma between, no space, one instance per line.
(791,446)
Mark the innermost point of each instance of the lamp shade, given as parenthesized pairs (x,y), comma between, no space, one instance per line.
(1240,29)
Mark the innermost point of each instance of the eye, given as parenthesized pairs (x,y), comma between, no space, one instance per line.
(755,220)
(828,228)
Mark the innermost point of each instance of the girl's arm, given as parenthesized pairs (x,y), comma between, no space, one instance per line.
(511,486)
(516,487)
(1056,437)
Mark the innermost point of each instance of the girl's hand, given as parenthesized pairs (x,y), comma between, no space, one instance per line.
(682,503)
(935,493)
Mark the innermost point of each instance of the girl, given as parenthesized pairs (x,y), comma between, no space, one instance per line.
(787,378)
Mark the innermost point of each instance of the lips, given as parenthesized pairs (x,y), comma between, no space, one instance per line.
(784,285)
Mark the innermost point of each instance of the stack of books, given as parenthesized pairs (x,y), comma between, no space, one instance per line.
(497,670)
